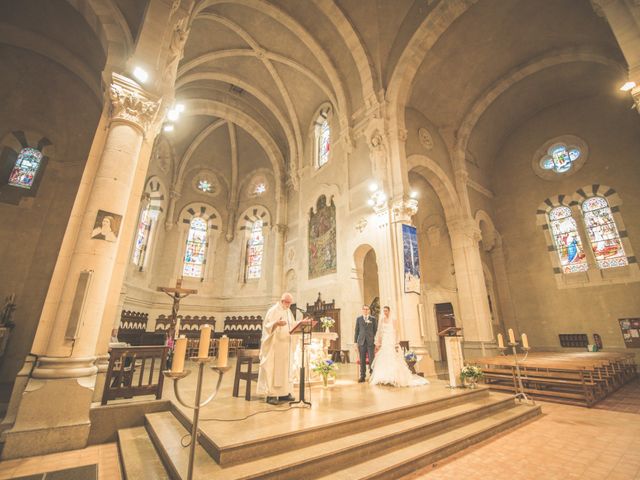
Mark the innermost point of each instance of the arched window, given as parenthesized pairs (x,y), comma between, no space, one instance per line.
(322,137)
(567,240)
(255,250)
(603,233)
(196,250)
(142,236)
(25,168)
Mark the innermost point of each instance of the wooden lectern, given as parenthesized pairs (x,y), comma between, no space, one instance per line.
(304,327)
(453,345)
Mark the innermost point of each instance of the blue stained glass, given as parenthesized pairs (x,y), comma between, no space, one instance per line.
(324,144)
(603,233)
(560,158)
(196,250)
(25,168)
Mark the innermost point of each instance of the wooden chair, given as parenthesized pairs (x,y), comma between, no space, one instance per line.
(248,358)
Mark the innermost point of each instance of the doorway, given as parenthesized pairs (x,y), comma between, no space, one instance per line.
(445,319)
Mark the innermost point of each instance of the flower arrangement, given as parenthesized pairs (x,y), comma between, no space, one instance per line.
(410,356)
(472,372)
(324,368)
(327,322)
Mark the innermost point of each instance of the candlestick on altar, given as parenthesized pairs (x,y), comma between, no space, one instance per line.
(205,341)
(223,351)
(198,404)
(520,395)
(512,337)
(179,353)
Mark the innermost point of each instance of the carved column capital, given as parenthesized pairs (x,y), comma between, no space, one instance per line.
(131,104)
(404,208)
(465,227)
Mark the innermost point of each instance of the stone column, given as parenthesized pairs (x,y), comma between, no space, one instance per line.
(474,314)
(280,231)
(509,318)
(53,414)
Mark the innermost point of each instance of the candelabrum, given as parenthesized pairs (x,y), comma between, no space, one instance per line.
(198,404)
(520,393)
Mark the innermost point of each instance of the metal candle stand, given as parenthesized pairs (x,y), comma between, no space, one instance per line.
(176,377)
(520,395)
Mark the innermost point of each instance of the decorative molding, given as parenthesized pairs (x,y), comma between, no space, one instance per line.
(361,224)
(425,137)
(480,188)
(132,104)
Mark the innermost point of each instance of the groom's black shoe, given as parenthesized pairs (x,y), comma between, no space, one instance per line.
(361,380)
(272,400)
(287,398)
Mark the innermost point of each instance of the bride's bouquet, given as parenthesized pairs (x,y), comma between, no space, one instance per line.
(327,322)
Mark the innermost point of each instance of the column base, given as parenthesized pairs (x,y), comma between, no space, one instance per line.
(53,414)
(103,365)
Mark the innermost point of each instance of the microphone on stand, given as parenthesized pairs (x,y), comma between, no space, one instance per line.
(304,312)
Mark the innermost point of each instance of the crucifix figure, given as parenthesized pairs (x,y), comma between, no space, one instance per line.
(177,293)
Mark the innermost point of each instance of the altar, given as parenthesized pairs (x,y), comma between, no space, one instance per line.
(316,349)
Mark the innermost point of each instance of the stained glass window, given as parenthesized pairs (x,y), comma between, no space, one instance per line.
(142,236)
(603,233)
(196,249)
(204,185)
(25,168)
(260,189)
(560,158)
(255,250)
(324,143)
(567,240)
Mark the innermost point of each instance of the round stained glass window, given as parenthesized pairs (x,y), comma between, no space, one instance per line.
(560,157)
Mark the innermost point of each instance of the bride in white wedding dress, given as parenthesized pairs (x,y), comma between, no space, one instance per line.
(389,366)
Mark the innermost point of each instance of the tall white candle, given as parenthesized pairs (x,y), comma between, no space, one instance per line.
(512,337)
(223,351)
(179,352)
(500,341)
(205,340)
(525,341)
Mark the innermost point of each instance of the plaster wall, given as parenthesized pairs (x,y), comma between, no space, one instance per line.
(542,309)
(40,96)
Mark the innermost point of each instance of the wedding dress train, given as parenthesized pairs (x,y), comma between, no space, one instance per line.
(389,366)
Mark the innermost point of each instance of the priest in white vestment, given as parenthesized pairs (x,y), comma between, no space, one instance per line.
(273,376)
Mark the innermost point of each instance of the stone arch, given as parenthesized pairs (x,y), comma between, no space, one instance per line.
(489,234)
(514,76)
(438,179)
(193,146)
(251,214)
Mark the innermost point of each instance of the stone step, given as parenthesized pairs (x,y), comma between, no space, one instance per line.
(260,447)
(169,436)
(335,453)
(138,456)
(401,462)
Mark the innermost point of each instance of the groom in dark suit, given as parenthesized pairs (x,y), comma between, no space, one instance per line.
(366,328)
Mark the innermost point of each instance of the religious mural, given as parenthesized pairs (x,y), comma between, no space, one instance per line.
(411,259)
(322,239)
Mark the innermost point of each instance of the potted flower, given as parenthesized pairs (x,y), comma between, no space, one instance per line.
(471,372)
(324,368)
(411,358)
(327,323)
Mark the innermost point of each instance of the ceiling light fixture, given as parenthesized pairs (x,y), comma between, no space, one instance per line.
(141,74)
(628,86)
(168,127)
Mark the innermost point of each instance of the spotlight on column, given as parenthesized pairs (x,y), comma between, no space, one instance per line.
(413,194)
(373,187)
(168,127)
(141,74)
(370,202)
(173,115)
(628,86)
(179,107)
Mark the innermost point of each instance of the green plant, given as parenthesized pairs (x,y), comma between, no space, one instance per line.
(324,367)
(327,322)
(471,371)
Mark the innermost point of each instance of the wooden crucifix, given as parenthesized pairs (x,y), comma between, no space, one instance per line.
(177,293)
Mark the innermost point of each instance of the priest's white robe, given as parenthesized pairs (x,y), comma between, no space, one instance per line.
(273,375)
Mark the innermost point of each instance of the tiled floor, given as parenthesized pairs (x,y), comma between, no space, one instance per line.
(106,456)
(567,442)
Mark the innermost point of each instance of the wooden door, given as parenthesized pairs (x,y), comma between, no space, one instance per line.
(446,319)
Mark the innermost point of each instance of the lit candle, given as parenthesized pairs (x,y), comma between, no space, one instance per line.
(525,341)
(205,340)
(500,341)
(512,337)
(179,352)
(223,351)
